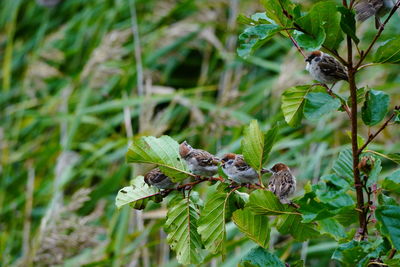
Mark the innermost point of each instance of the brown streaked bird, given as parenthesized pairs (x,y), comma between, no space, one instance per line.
(368,8)
(158,179)
(325,68)
(238,170)
(282,182)
(200,162)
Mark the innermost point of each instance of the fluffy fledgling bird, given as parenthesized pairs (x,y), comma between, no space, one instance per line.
(282,182)
(238,170)
(368,8)
(158,179)
(200,162)
(325,68)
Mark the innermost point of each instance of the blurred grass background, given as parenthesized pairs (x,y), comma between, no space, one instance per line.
(80,78)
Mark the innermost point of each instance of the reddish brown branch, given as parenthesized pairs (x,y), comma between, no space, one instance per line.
(372,136)
(362,216)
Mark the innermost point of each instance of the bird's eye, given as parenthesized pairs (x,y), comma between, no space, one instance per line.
(317,59)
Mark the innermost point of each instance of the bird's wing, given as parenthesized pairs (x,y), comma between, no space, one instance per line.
(331,67)
(240,164)
(367,8)
(204,158)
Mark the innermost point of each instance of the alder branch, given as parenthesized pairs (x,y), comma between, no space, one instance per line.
(372,136)
(378,34)
(362,216)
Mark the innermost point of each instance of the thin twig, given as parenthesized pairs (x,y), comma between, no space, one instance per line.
(372,136)
(296,44)
(392,253)
(378,34)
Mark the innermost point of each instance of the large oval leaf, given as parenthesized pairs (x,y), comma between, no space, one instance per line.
(319,104)
(389,52)
(163,151)
(255,36)
(293,102)
(323,20)
(266,203)
(254,226)
(389,218)
(212,222)
(375,107)
(259,257)
(137,195)
(181,226)
(256,145)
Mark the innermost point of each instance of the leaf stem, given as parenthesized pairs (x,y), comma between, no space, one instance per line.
(378,34)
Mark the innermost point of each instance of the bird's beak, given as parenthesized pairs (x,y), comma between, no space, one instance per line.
(215,162)
(307,60)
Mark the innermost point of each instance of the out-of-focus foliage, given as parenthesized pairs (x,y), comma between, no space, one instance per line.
(70,104)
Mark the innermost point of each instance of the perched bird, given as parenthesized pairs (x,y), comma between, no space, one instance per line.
(282,182)
(158,179)
(368,8)
(200,162)
(238,170)
(325,68)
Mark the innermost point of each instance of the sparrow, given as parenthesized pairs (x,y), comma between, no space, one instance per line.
(325,68)
(282,182)
(200,162)
(234,166)
(368,8)
(158,179)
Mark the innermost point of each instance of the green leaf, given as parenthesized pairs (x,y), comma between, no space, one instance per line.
(389,52)
(313,210)
(375,107)
(181,226)
(343,166)
(137,195)
(394,157)
(256,146)
(392,182)
(291,224)
(266,203)
(212,222)
(394,262)
(389,219)
(293,103)
(319,104)
(397,116)
(348,23)
(330,193)
(332,227)
(259,257)
(349,254)
(269,141)
(310,42)
(358,253)
(323,18)
(274,11)
(254,37)
(253,145)
(254,226)
(163,151)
